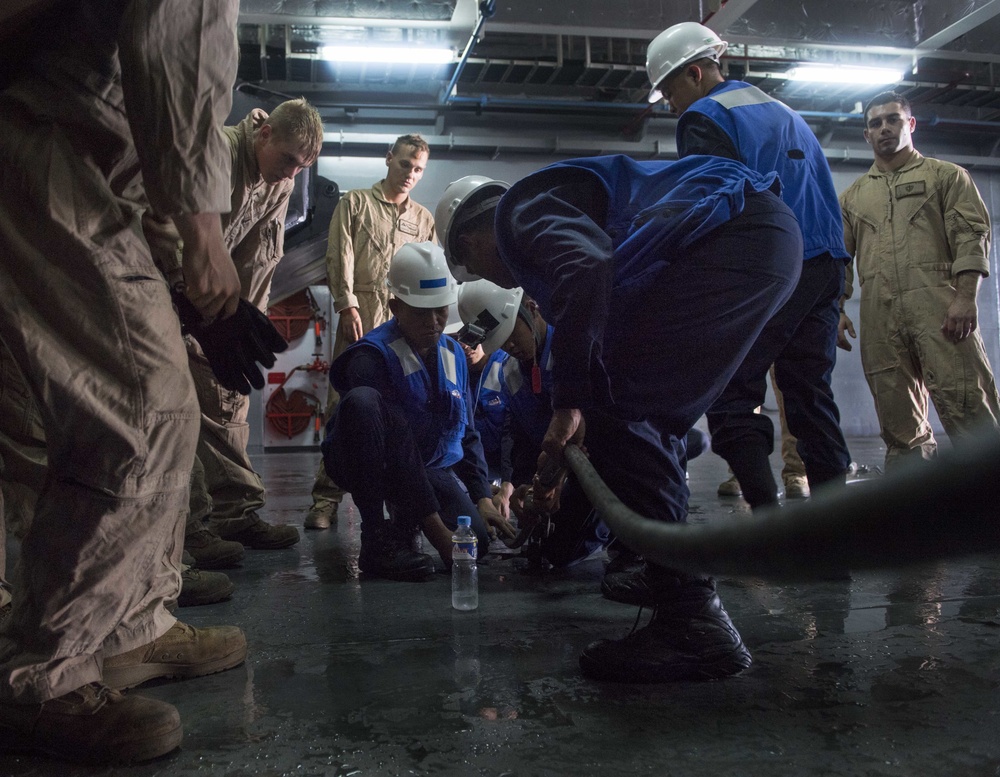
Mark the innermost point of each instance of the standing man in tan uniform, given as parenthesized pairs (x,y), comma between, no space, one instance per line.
(267,153)
(367,228)
(89,322)
(920,234)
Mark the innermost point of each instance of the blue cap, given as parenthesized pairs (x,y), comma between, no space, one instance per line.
(464,520)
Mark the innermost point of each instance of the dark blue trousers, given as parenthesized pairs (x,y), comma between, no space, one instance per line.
(680,341)
(801,342)
(370,452)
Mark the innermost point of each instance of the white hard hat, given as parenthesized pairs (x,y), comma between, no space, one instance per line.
(489,313)
(454,325)
(418,275)
(449,212)
(676,46)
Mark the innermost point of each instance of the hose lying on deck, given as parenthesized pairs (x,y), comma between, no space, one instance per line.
(945,508)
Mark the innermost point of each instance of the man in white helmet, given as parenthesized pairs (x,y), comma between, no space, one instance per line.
(496,316)
(403,435)
(735,120)
(656,278)
(481,343)
(367,228)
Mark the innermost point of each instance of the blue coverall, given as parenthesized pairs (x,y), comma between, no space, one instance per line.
(738,121)
(657,277)
(406,436)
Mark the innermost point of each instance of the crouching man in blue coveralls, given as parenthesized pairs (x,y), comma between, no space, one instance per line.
(657,277)
(403,434)
(494,315)
(486,360)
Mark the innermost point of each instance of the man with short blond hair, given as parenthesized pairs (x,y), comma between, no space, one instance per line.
(267,152)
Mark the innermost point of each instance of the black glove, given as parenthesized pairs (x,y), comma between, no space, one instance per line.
(233,345)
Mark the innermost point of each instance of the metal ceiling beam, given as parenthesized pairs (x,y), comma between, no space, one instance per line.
(486,10)
(731,11)
(942,38)
(570,30)
(258,12)
(338,143)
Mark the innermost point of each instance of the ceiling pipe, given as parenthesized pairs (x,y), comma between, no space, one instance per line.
(486,10)
(661,111)
(484,101)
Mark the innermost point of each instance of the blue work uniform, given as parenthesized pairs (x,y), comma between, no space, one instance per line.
(577,529)
(738,121)
(404,433)
(656,277)
(530,410)
(490,411)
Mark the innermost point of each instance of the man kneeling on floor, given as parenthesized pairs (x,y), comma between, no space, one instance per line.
(403,436)
(657,278)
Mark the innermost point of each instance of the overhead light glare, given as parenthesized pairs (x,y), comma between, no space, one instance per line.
(415,55)
(846,74)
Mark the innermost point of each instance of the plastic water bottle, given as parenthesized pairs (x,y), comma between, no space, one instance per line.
(464,573)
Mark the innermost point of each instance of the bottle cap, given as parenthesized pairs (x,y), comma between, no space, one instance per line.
(464,520)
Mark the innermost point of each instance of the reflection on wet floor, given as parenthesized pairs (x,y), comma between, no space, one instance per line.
(886,673)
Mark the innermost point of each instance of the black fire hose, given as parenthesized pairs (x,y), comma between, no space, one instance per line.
(941,509)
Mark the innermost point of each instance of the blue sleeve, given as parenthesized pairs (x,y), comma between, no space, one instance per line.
(366,367)
(507,447)
(557,226)
(472,469)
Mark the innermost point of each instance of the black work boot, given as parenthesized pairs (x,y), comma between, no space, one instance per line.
(401,564)
(387,551)
(629,586)
(689,638)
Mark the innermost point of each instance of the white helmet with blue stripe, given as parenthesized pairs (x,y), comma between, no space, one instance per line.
(419,276)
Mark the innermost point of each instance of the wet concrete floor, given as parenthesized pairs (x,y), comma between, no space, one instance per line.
(893,674)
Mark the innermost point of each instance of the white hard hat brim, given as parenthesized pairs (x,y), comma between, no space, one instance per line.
(460,274)
(444,299)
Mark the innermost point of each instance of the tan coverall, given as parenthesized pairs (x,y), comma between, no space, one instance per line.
(89,321)
(912,231)
(24,459)
(254,231)
(365,233)
(226,485)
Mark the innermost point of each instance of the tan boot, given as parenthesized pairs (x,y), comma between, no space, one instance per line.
(198,587)
(93,724)
(183,652)
(796,487)
(730,487)
(321,515)
(210,551)
(261,535)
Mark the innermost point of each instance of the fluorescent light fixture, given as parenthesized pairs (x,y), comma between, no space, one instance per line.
(845,74)
(416,55)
